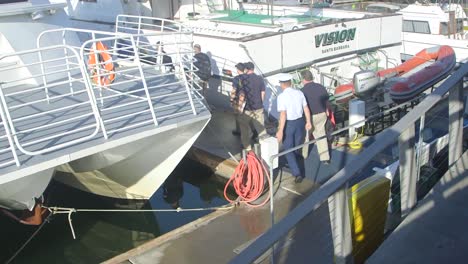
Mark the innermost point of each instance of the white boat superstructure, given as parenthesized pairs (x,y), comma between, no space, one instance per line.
(101,105)
(427,25)
(334,44)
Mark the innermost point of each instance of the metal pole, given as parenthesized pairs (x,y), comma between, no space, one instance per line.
(340,219)
(420,142)
(272,208)
(193,8)
(407,170)
(455,123)
(272,22)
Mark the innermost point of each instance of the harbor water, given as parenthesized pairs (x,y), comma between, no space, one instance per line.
(102,235)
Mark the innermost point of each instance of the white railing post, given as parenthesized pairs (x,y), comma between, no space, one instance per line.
(96,66)
(408,173)
(272,207)
(65,50)
(3,109)
(455,123)
(44,79)
(340,219)
(138,32)
(89,87)
(184,76)
(420,146)
(143,80)
(116,31)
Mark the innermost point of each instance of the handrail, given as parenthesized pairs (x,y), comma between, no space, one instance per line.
(312,202)
(134,83)
(181,26)
(11,121)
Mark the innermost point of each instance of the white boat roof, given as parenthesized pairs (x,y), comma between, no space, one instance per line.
(428,11)
(19,7)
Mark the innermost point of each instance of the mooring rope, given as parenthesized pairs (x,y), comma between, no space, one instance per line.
(28,240)
(69,211)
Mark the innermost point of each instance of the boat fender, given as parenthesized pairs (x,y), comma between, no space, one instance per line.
(365,82)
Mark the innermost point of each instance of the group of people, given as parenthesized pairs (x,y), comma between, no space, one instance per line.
(293,106)
(300,112)
(247,95)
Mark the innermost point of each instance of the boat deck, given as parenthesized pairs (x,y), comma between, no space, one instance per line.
(73,128)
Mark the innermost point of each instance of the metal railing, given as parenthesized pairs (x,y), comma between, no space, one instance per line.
(33,131)
(64,91)
(335,190)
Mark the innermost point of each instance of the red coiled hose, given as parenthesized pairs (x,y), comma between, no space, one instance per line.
(248,180)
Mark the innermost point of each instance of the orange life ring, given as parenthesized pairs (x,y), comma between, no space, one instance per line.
(105,65)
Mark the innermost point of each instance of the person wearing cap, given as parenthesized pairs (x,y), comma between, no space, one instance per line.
(251,95)
(292,105)
(234,96)
(317,99)
(203,64)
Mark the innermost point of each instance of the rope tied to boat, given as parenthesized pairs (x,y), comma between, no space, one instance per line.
(46,220)
(248,181)
(69,211)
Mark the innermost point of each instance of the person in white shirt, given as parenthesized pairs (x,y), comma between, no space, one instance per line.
(292,106)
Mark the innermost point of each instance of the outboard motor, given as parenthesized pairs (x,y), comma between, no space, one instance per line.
(365,82)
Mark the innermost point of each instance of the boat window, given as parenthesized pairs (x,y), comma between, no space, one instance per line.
(421,27)
(94,1)
(408,26)
(444,27)
(416,26)
(11,1)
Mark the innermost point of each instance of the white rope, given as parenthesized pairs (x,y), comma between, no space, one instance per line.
(69,211)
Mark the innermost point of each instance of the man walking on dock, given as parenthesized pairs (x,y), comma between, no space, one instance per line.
(317,99)
(203,64)
(252,93)
(291,106)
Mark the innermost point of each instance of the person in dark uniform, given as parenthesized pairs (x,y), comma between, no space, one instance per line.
(251,96)
(317,99)
(203,64)
(292,106)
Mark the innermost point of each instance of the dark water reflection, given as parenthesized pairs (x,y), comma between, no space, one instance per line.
(101,236)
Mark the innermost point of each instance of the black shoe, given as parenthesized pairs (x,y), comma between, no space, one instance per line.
(236,133)
(298,179)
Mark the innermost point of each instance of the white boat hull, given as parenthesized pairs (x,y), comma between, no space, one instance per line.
(21,193)
(135,170)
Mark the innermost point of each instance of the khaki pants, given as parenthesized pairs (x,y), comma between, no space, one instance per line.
(319,121)
(246,120)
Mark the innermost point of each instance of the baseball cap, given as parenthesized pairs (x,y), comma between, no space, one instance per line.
(284,77)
